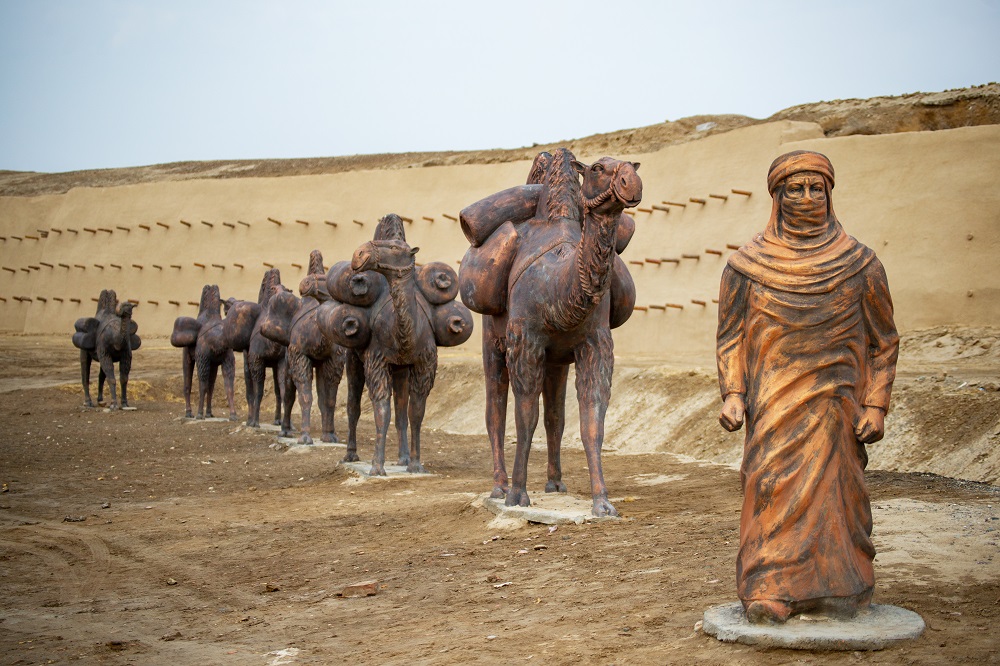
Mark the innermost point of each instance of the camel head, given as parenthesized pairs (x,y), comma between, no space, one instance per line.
(227,305)
(125,309)
(392,258)
(609,184)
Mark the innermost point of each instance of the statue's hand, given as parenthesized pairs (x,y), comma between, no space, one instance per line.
(871,425)
(731,417)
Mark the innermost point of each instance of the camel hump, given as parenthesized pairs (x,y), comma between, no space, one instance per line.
(347,325)
(485,269)
(438,282)
(516,204)
(276,322)
(85,336)
(622,293)
(361,289)
(239,323)
(185,333)
(452,324)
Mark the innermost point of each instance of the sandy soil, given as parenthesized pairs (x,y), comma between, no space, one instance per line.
(140,538)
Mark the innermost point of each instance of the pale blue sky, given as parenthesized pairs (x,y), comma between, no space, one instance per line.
(112,83)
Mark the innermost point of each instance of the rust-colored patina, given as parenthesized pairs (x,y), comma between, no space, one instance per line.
(543,270)
(806,355)
(108,337)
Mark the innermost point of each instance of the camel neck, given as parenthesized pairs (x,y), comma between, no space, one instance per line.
(592,267)
(402,291)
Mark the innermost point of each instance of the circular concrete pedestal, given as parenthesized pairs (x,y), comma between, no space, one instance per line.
(872,629)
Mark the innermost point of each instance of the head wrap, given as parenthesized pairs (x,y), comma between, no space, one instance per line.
(781,259)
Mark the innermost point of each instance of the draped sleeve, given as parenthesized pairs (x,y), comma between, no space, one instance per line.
(730,354)
(883,340)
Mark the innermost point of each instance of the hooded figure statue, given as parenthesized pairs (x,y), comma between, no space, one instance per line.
(806,351)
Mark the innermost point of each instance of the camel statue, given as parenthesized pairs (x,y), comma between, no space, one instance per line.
(109,337)
(205,344)
(551,289)
(294,322)
(242,327)
(392,318)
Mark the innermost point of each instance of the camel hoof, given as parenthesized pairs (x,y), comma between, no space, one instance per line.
(201,417)
(499,492)
(330,438)
(416,468)
(555,487)
(517,497)
(351,457)
(377,470)
(306,440)
(276,422)
(286,432)
(233,417)
(88,403)
(252,424)
(603,508)
(403,462)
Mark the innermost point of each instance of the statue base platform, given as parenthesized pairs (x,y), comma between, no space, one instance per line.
(876,628)
(363,468)
(291,445)
(210,419)
(546,508)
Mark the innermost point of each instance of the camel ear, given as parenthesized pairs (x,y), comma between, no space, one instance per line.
(579,166)
(414,250)
(635,165)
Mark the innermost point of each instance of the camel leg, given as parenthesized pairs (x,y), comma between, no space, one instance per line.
(401,398)
(229,381)
(497,388)
(85,376)
(108,368)
(554,403)
(301,368)
(256,375)
(187,363)
(278,390)
(287,396)
(355,388)
(207,372)
(525,361)
(124,369)
(421,379)
(595,363)
(328,376)
(377,376)
(101,377)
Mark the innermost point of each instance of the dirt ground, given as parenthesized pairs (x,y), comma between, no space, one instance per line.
(138,537)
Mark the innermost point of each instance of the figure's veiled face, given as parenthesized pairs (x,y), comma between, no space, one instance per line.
(804,199)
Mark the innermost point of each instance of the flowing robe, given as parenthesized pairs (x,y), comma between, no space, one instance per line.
(808,361)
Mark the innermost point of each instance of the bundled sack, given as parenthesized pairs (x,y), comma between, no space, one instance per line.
(346,324)
(238,325)
(438,282)
(361,289)
(452,323)
(622,293)
(185,333)
(85,336)
(485,271)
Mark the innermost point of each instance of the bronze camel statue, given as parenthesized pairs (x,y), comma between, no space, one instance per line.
(552,288)
(242,326)
(393,317)
(205,344)
(108,337)
(295,323)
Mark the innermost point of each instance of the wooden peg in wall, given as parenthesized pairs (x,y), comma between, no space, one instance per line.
(636,263)
(697,302)
(640,308)
(174,302)
(697,200)
(268,265)
(691,256)
(194,303)
(125,229)
(429,219)
(358,222)
(674,305)
(207,224)
(245,224)
(329,223)
(139,266)
(239,266)
(299,266)
(732,246)
(745,193)
(118,266)
(450,217)
(724,197)
(66,266)
(144,226)
(645,210)
(185,223)
(74,300)
(657,307)
(302,222)
(197,264)
(659,207)
(45,263)
(715,252)
(674,203)
(271,219)
(162,224)
(219,266)
(229,224)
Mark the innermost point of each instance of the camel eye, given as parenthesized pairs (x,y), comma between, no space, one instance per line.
(599,168)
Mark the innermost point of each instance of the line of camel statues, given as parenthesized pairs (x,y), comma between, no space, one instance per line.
(542,268)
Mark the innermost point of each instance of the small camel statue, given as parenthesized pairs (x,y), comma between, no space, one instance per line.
(109,337)
(294,322)
(205,344)
(242,327)
(395,318)
(553,288)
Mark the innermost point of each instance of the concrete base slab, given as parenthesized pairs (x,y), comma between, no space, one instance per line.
(392,471)
(547,509)
(107,410)
(291,445)
(873,629)
(211,419)
(269,427)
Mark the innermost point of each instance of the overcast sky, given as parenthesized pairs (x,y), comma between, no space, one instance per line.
(112,83)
